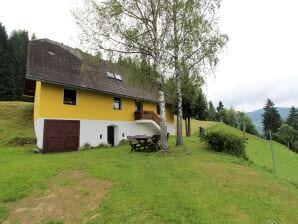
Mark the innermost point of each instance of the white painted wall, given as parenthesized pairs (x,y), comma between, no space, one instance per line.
(90,130)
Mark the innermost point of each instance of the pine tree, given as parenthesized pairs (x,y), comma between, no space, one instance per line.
(201,106)
(33,36)
(220,111)
(18,46)
(212,115)
(271,118)
(292,119)
(7,86)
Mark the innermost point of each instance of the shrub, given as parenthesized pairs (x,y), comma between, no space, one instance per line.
(103,145)
(123,142)
(86,146)
(227,142)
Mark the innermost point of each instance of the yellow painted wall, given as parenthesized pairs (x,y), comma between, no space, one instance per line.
(37,100)
(90,105)
(147,106)
(169,115)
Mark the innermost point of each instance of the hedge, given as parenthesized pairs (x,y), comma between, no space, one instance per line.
(226,142)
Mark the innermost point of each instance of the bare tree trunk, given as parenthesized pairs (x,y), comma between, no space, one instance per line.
(188,127)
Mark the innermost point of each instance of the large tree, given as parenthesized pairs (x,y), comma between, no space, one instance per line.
(195,41)
(271,118)
(292,118)
(13,59)
(7,84)
(18,47)
(245,123)
(286,134)
(220,111)
(134,27)
(201,106)
(230,117)
(191,92)
(211,112)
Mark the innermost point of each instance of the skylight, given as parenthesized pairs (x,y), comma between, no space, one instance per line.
(110,75)
(51,53)
(118,77)
(114,76)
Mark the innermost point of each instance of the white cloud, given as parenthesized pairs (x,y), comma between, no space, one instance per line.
(47,19)
(261,57)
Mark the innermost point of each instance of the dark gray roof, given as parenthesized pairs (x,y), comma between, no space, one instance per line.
(56,63)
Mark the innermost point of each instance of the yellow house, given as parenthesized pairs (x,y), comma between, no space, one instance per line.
(96,106)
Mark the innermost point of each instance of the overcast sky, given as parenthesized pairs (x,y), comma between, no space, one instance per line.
(260,61)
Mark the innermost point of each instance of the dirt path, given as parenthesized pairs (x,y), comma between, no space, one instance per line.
(72,197)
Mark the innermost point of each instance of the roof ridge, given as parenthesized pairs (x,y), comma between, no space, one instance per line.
(71,50)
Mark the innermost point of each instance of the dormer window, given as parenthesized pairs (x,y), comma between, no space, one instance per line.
(70,97)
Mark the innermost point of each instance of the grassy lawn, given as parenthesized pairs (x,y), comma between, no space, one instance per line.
(189,184)
(15,121)
(259,152)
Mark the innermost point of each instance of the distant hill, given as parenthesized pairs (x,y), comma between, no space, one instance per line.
(256,116)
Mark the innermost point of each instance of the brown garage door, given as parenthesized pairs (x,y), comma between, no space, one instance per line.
(61,135)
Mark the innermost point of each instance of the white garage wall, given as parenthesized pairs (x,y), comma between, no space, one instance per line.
(90,131)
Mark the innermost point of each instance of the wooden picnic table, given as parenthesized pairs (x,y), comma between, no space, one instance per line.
(144,142)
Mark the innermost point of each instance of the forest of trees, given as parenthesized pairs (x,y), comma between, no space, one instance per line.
(283,131)
(13,59)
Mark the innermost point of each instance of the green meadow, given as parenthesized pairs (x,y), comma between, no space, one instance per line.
(188,184)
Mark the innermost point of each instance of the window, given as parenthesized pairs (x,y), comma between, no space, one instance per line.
(70,97)
(117,103)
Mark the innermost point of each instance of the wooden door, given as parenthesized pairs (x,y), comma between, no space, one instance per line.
(61,135)
(111,137)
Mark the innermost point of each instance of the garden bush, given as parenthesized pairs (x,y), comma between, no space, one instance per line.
(226,142)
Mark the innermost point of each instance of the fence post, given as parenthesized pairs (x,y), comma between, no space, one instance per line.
(272,152)
(201,131)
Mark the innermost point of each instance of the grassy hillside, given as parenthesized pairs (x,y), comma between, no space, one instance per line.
(190,184)
(195,124)
(259,152)
(16,120)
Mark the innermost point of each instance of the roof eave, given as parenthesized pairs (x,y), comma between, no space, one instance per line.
(89,89)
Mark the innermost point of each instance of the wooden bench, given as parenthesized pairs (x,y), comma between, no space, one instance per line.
(135,145)
(144,143)
(153,145)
